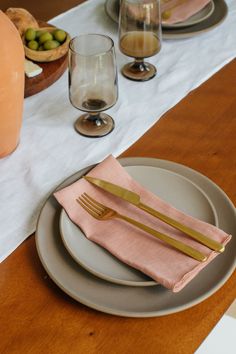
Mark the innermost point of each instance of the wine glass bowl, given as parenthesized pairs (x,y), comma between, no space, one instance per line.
(93,82)
(139,36)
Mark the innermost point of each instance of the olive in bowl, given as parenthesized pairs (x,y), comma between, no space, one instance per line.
(45,44)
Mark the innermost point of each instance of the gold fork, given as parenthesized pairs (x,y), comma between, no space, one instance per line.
(102,212)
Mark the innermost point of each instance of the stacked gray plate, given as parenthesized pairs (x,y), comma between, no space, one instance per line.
(93,277)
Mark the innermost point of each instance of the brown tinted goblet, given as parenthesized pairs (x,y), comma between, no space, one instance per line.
(139,36)
(93,82)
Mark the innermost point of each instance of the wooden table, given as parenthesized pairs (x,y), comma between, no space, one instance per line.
(37,317)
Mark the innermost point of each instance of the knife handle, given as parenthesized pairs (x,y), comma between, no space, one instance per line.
(212,244)
(190,251)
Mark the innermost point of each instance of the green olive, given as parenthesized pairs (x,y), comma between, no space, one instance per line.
(45,37)
(166,15)
(40,48)
(33,45)
(30,34)
(39,33)
(59,35)
(52,44)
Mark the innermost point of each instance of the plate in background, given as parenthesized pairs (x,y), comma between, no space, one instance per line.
(215,19)
(200,16)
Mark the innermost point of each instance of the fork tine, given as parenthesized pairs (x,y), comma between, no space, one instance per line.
(90,205)
(95,202)
(91,212)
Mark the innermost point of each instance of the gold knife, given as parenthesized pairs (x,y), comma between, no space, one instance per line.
(134,199)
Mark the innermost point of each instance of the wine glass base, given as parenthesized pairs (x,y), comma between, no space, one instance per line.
(95,127)
(143,72)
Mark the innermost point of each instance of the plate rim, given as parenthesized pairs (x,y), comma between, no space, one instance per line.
(97,274)
(140,314)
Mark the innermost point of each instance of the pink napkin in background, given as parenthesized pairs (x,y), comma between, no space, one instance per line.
(134,247)
(181,10)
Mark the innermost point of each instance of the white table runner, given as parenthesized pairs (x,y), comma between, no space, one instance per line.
(50,150)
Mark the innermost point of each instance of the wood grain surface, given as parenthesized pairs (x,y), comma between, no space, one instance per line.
(37,317)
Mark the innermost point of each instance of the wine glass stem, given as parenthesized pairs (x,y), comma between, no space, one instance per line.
(139,65)
(95,118)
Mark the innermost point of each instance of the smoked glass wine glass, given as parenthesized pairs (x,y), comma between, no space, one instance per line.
(93,82)
(139,36)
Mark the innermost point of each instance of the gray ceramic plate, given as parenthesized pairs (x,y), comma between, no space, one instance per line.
(171,187)
(193,20)
(214,20)
(132,301)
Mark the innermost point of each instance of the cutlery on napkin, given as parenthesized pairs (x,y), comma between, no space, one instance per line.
(103,212)
(164,264)
(134,199)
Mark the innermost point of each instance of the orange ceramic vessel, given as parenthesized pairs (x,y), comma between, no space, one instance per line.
(11,85)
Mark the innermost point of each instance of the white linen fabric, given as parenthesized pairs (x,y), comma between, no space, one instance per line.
(50,150)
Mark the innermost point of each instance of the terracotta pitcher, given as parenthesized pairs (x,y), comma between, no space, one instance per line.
(11,85)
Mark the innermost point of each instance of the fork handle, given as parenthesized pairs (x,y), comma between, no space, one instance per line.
(212,244)
(171,241)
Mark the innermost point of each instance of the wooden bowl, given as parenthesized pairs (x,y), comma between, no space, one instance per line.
(47,55)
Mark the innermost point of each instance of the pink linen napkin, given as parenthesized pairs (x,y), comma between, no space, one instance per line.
(181,10)
(134,247)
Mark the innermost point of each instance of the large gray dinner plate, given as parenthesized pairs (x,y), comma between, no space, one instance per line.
(214,20)
(171,187)
(135,301)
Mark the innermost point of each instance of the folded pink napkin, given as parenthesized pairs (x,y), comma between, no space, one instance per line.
(134,247)
(180,10)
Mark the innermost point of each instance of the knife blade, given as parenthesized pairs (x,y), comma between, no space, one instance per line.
(134,198)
